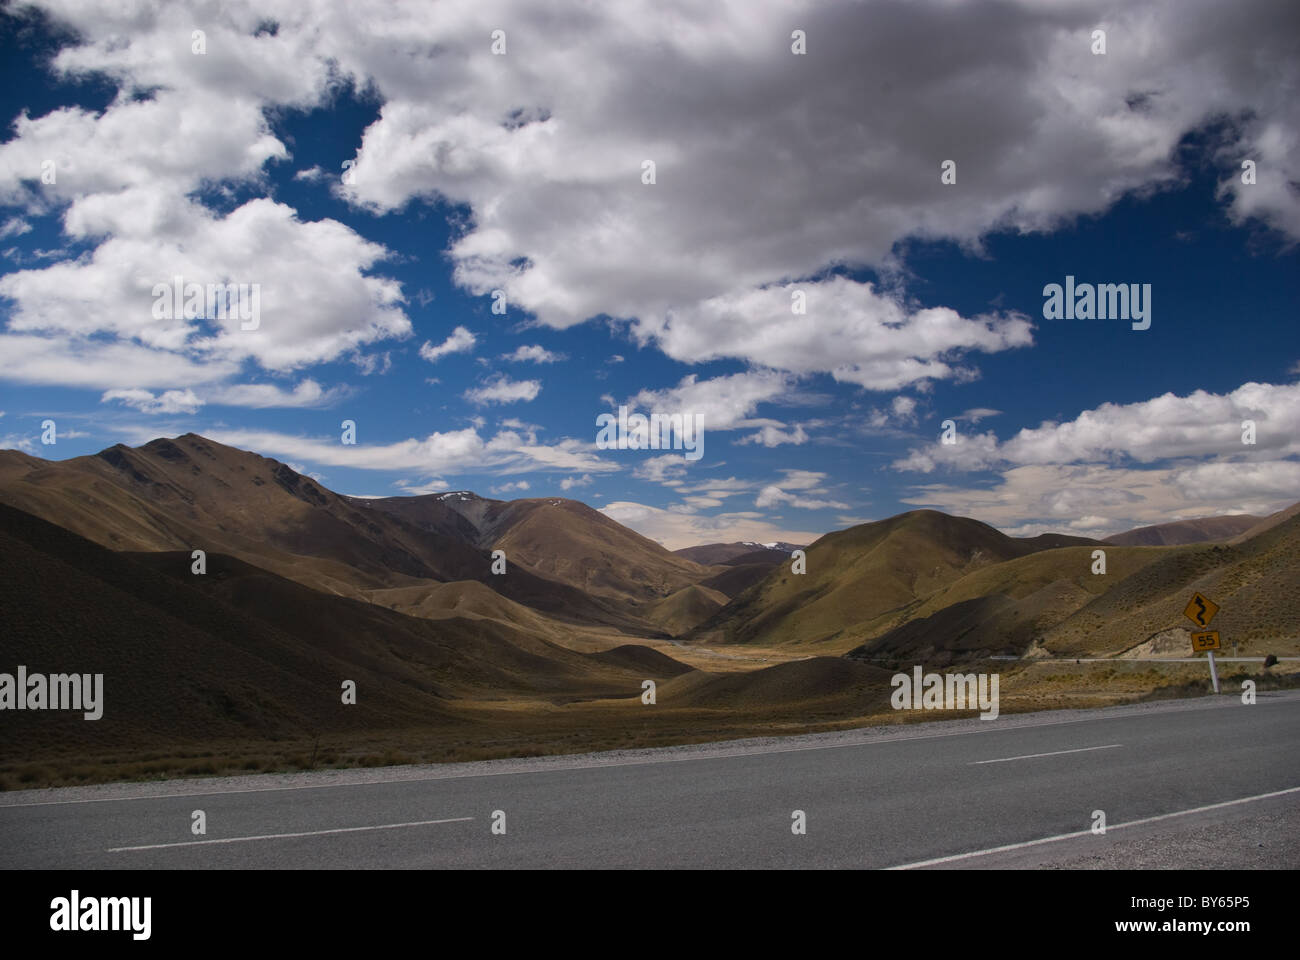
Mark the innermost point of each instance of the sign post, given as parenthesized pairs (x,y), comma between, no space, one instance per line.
(1201,610)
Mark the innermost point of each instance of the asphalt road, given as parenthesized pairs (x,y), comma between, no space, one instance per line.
(949,792)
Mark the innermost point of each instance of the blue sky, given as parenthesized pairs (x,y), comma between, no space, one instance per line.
(776,173)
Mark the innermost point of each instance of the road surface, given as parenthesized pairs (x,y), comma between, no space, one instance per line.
(1208,782)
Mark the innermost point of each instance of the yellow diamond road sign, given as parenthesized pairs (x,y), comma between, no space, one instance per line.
(1202,642)
(1201,610)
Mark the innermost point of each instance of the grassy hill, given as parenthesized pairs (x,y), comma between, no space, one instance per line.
(861,580)
(679,612)
(1253,580)
(1051,604)
(1005,607)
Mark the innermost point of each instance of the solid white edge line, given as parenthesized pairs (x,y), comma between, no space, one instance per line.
(1035,756)
(1084,833)
(281,836)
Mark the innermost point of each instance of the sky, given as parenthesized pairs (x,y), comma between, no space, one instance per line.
(826,230)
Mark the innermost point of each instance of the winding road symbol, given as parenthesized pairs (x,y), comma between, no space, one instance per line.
(1201,610)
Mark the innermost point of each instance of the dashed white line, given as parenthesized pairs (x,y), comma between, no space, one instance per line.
(1035,756)
(281,836)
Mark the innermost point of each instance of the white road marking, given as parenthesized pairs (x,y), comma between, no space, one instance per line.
(1084,833)
(281,836)
(1035,756)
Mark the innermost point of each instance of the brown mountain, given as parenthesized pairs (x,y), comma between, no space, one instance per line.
(740,571)
(559,539)
(190,492)
(1178,532)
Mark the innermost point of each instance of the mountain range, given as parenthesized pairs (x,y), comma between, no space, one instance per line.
(305,588)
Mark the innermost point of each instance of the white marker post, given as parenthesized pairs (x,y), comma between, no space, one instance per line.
(1214,674)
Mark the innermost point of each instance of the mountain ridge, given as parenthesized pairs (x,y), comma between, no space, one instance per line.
(191,493)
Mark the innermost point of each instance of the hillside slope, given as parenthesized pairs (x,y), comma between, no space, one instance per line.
(1253,580)
(678,612)
(1004,608)
(240,652)
(861,580)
